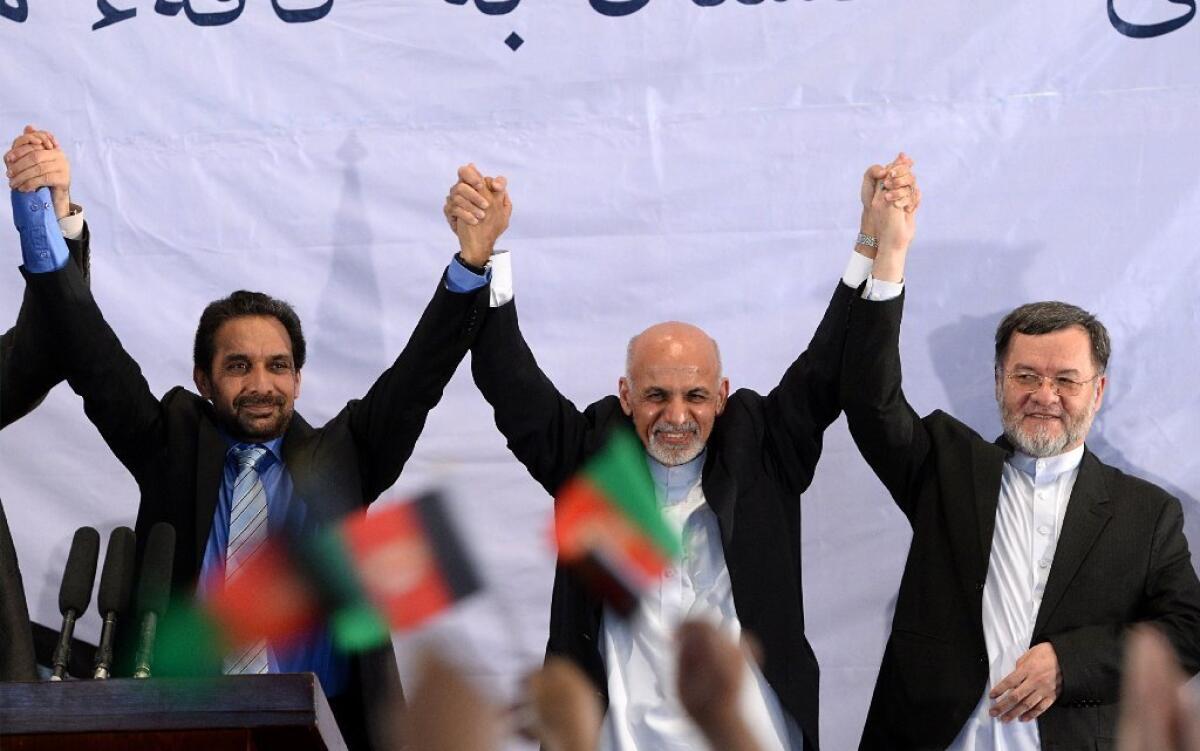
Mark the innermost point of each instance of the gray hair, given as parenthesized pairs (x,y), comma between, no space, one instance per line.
(1047,317)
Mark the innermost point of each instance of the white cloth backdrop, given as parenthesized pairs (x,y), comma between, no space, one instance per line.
(687,160)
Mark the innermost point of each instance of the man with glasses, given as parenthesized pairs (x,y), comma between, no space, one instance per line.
(1030,558)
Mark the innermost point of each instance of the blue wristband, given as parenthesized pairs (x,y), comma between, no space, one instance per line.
(42,243)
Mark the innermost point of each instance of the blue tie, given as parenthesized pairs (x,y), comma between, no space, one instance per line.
(247,533)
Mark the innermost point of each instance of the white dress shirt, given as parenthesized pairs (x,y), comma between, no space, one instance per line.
(644,711)
(1033,501)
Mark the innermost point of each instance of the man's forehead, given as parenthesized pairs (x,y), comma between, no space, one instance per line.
(1070,346)
(253,335)
(672,371)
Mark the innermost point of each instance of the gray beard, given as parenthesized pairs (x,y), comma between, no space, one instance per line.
(671,457)
(1041,443)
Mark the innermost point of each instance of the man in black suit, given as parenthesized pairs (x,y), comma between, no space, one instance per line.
(729,469)
(28,369)
(202,460)
(1030,558)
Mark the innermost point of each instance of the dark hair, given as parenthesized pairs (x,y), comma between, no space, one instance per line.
(239,305)
(1047,317)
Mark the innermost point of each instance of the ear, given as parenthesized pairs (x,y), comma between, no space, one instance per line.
(203,385)
(722,395)
(297,396)
(623,389)
(1101,382)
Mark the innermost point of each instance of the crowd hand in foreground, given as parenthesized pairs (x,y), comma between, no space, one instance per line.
(1159,710)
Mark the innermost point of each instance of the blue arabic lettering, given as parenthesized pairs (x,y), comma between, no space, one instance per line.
(18,12)
(111,15)
(302,15)
(618,8)
(1140,31)
(211,18)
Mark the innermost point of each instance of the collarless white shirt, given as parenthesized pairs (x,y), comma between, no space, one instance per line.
(644,711)
(1029,515)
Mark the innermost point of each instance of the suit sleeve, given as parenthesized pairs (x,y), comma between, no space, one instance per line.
(115,394)
(388,420)
(888,432)
(544,430)
(806,402)
(1091,657)
(29,367)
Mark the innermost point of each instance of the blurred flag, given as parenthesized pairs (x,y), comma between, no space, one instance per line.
(369,575)
(410,563)
(609,528)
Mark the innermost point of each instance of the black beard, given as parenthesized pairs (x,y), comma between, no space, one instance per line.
(254,431)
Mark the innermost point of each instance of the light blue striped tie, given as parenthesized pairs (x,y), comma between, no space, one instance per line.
(247,533)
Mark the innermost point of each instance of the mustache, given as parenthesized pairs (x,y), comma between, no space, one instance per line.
(1046,412)
(258,400)
(691,426)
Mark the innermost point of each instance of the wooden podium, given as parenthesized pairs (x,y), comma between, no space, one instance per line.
(245,712)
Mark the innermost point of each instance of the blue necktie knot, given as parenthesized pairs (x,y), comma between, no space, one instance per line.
(248,457)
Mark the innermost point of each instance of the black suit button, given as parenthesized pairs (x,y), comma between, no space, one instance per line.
(978,586)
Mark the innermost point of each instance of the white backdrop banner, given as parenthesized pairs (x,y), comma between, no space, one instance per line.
(668,159)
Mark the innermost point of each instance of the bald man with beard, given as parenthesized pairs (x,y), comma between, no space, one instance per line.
(729,469)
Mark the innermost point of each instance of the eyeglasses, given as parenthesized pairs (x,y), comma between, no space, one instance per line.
(1030,382)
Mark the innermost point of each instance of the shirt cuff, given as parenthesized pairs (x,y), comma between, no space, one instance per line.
(461,279)
(502,283)
(72,224)
(858,268)
(878,290)
(43,248)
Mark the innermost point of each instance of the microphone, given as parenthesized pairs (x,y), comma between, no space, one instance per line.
(154,588)
(75,593)
(116,581)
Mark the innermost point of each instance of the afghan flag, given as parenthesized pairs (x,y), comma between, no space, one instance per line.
(269,599)
(369,575)
(609,528)
(410,564)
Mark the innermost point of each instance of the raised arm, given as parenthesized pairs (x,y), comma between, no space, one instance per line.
(807,399)
(888,432)
(388,420)
(544,430)
(28,368)
(116,397)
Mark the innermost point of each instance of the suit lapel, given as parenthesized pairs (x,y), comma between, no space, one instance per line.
(1087,513)
(316,497)
(210,463)
(987,460)
(720,492)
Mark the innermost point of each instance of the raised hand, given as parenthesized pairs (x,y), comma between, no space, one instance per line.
(891,214)
(1159,710)
(36,160)
(711,670)
(477,209)
(564,712)
(447,713)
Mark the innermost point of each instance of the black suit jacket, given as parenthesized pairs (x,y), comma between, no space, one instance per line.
(173,449)
(1121,558)
(28,369)
(760,457)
